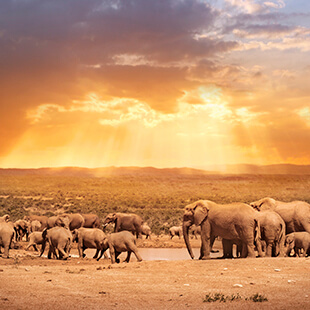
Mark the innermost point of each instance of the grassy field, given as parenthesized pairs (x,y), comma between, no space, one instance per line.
(158,199)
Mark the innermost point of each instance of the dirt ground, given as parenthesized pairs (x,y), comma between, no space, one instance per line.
(30,282)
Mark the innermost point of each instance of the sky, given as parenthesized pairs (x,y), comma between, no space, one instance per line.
(162,83)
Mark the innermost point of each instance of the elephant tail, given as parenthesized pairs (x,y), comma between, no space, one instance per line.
(280,241)
(257,232)
(257,238)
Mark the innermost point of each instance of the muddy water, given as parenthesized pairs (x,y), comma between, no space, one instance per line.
(151,254)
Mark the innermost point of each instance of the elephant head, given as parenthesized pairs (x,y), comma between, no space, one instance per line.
(63,221)
(194,213)
(263,204)
(110,218)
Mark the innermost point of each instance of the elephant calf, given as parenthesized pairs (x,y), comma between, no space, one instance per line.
(34,239)
(175,231)
(298,241)
(59,238)
(122,241)
(89,238)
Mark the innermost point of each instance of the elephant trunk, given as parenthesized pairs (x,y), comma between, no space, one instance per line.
(186,239)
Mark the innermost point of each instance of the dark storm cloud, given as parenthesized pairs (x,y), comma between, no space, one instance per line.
(46,46)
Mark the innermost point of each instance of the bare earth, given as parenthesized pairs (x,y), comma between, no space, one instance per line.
(30,282)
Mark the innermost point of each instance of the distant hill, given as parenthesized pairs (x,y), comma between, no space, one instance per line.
(145,171)
(101,172)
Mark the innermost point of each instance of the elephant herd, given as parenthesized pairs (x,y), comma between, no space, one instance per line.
(61,231)
(268,225)
(272,228)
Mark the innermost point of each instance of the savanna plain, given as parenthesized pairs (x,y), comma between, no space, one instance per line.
(30,282)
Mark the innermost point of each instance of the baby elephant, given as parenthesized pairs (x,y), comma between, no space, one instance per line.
(59,238)
(298,241)
(89,238)
(34,239)
(123,241)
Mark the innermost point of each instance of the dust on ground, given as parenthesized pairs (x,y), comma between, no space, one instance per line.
(30,282)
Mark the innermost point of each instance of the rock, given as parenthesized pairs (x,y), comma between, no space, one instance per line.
(237,285)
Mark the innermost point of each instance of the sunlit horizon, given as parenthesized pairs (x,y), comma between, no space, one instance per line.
(164,84)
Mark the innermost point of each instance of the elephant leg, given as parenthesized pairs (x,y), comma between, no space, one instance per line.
(83,249)
(212,240)
(206,237)
(102,253)
(134,249)
(112,254)
(128,257)
(251,252)
(49,255)
(62,253)
(116,257)
(97,253)
(227,248)
(28,246)
(35,247)
(6,250)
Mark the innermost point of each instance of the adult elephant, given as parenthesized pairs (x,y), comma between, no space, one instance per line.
(124,221)
(237,222)
(7,234)
(22,229)
(41,218)
(296,214)
(272,229)
(119,242)
(91,220)
(89,238)
(71,221)
(60,239)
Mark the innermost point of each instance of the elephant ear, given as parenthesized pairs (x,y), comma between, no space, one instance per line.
(201,213)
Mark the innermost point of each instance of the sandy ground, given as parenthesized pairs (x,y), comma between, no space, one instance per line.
(30,282)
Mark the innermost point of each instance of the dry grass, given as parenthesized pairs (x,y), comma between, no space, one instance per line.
(158,199)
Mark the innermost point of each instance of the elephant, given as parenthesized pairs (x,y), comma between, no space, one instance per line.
(237,222)
(59,238)
(41,218)
(91,221)
(7,236)
(72,221)
(34,239)
(175,231)
(296,214)
(124,221)
(118,242)
(272,229)
(146,230)
(34,226)
(51,221)
(298,241)
(22,229)
(89,238)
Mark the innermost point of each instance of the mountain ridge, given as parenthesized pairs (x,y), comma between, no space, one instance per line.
(133,170)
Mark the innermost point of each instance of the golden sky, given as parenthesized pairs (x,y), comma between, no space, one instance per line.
(165,83)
